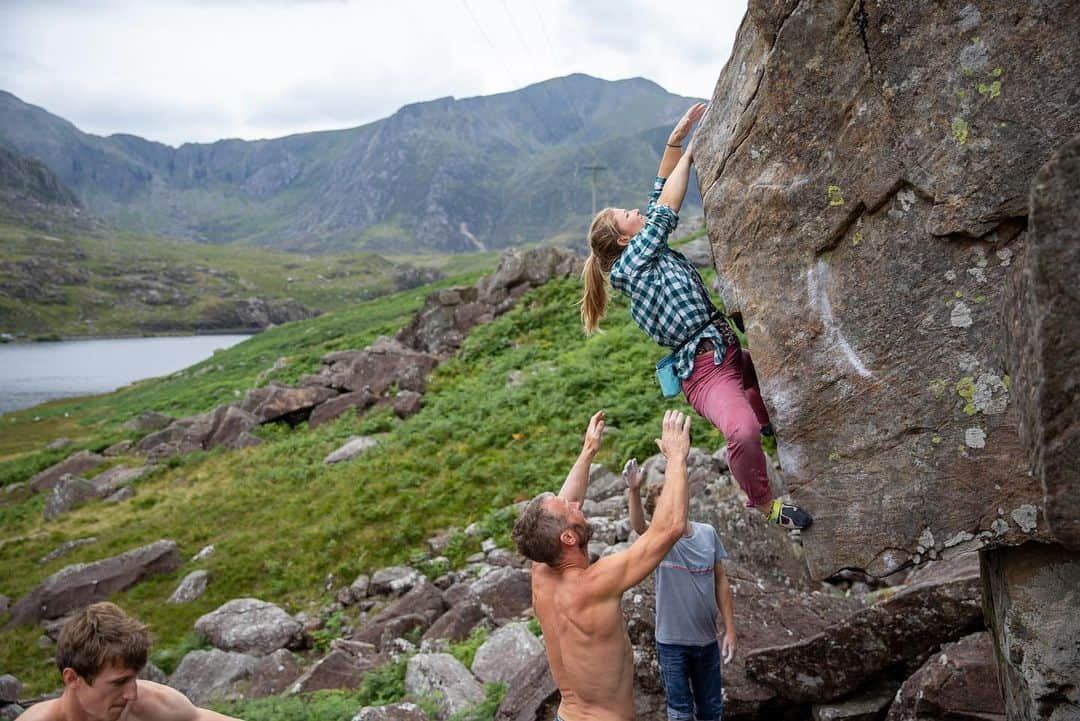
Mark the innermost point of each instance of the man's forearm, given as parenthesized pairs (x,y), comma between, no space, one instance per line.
(637,513)
(724,601)
(673,506)
(577,481)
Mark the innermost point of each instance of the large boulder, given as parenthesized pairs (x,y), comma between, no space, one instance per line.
(445,319)
(958,683)
(343,667)
(10,688)
(272,674)
(68,493)
(75,464)
(506,653)
(443,678)
(84,583)
(505,593)
(457,623)
(148,421)
(521,270)
(330,409)
(1043,314)
(112,480)
(418,608)
(865,178)
(1031,598)
(204,676)
(227,426)
(248,625)
(277,402)
(394,580)
(192,587)
(383,364)
(902,629)
(529,693)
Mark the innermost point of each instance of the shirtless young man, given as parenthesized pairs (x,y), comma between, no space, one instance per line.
(99,652)
(578,604)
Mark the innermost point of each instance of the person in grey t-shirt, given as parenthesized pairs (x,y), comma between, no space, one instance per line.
(691,587)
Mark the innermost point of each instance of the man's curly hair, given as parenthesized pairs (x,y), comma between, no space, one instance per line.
(537,530)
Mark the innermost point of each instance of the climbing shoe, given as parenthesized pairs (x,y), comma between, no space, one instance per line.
(789,515)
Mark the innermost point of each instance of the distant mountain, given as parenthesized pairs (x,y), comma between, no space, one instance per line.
(483,172)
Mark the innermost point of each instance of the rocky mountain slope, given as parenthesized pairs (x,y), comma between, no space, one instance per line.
(870,191)
(484,172)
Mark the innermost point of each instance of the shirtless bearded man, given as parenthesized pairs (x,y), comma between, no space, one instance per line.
(578,604)
(99,652)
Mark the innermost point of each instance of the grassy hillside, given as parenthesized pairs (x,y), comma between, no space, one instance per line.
(281,521)
(79,282)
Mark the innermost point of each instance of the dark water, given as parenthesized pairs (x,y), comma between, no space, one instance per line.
(38,372)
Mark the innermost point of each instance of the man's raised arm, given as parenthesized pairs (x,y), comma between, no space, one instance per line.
(620,571)
(577,480)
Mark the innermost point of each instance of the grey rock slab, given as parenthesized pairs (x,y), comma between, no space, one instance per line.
(85,583)
(443,677)
(74,464)
(205,676)
(120,496)
(150,672)
(457,623)
(958,682)
(869,704)
(394,580)
(69,492)
(192,587)
(343,667)
(506,652)
(148,421)
(418,608)
(353,448)
(404,711)
(248,625)
(272,674)
(506,593)
(531,690)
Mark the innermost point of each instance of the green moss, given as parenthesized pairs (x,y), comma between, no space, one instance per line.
(857,238)
(997,72)
(995,89)
(834,195)
(1007,382)
(965,388)
(834,455)
(959,130)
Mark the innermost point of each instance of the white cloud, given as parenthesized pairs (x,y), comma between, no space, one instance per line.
(177,71)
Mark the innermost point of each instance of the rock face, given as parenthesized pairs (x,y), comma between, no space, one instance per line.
(506,653)
(865,175)
(901,629)
(958,683)
(1044,322)
(343,667)
(203,676)
(1031,598)
(85,583)
(249,625)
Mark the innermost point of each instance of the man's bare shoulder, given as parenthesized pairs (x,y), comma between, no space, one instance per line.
(160,703)
(44,711)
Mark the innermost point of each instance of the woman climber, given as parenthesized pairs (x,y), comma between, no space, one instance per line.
(669,302)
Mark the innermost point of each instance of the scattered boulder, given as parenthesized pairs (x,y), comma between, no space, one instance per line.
(522,270)
(118,449)
(10,688)
(394,580)
(227,426)
(960,682)
(506,653)
(403,711)
(148,421)
(418,608)
(75,464)
(903,628)
(353,448)
(120,496)
(330,409)
(869,704)
(58,443)
(506,593)
(192,587)
(205,676)
(443,677)
(112,480)
(344,667)
(457,623)
(407,403)
(604,484)
(272,674)
(248,625)
(69,492)
(85,583)
(150,672)
(531,691)
(277,402)
(383,364)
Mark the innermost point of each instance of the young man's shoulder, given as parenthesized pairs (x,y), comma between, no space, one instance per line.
(44,711)
(159,703)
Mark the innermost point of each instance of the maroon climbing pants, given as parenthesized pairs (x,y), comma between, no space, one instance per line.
(728,396)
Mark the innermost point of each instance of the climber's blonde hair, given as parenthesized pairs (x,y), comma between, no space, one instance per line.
(604,250)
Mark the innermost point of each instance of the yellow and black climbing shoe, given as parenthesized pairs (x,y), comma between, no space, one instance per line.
(789,515)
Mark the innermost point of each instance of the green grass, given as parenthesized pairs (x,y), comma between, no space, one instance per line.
(282,521)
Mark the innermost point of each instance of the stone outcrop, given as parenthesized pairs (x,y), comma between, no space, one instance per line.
(248,625)
(277,402)
(418,608)
(204,676)
(70,491)
(75,464)
(343,667)
(1043,316)
(505,593)
(959,683)
(1030,599)
(85,583)
(506,653)
(443,678)
(227,426)
(529,694)
(865,176)
(192,587)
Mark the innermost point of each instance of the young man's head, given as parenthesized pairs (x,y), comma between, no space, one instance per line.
(99,652)
(548,526)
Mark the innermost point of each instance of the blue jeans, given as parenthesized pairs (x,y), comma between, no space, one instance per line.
(692,680)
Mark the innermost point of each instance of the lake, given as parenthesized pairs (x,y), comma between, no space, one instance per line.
(33,373)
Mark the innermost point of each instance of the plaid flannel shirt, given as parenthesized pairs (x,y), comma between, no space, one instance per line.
(663,287)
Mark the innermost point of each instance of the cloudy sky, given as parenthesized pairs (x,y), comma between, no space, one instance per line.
(201,70)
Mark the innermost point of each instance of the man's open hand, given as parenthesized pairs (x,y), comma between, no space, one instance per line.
(674,442)
(594,434)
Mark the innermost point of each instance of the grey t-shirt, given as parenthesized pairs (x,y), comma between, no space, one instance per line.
(685,588)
